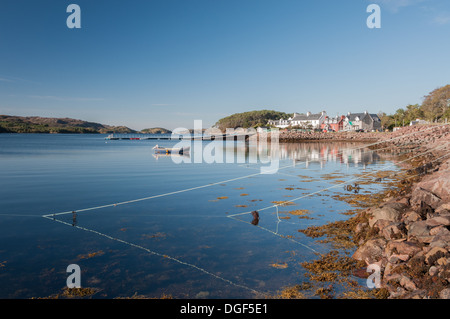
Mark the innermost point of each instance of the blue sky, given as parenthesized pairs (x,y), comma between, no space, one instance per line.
(148,63)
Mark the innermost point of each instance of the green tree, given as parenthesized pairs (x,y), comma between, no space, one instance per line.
(412,113)
(387,122)
(436,104)
(250,119)
(399,117)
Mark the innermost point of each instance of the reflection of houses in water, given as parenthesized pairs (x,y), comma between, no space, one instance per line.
(262,152)
(346,153)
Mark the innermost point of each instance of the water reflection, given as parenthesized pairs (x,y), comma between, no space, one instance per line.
(311,152)
(341,152)
(158,156)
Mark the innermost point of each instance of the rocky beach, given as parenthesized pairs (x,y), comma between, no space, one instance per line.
(409,231)
(293,136)
(404,232)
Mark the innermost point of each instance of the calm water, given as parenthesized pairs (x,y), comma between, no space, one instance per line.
(188,244)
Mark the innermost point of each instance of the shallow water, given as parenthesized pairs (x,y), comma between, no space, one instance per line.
(196,240)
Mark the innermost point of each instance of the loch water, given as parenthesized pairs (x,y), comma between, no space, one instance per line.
(136,223)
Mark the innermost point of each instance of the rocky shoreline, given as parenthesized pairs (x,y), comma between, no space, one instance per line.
(289,136)
(295,136)
(410,232)
(403,232)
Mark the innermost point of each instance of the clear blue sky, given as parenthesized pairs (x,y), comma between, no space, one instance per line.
(147,63)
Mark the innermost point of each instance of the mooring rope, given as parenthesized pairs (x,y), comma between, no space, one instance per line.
(342,183)
(159,255)
(157,196)
(277,234)
(221,182)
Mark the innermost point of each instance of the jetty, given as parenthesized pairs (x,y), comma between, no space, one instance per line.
(192,137)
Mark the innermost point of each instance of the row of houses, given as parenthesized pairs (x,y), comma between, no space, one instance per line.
(350,122)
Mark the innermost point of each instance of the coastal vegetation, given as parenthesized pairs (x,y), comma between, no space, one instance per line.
(250,119)
(434,108)
(36,124)
(156,130)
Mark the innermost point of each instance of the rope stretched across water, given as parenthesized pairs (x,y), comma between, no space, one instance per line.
(345,182)
(160,255)
(225,181)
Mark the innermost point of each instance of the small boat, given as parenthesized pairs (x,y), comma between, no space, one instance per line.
(111,137)
(166,150)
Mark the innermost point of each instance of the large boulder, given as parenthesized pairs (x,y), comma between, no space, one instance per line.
(402,248)
(438,220)
(434,190)
(441,240)
(371,252)
(384,213)
(394,231)
(419,228)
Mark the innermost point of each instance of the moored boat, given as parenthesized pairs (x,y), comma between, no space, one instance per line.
(167,150)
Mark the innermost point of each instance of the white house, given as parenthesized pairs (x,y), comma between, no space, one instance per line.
(308,120)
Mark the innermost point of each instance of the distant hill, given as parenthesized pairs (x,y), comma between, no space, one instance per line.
(156,130)
(36,124)
(250,119)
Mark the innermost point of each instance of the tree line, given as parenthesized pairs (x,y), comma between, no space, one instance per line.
(19,124)
(250,119)
(435,108)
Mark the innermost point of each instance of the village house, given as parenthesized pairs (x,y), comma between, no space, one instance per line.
(307,121)
(333,124)
(281,123)
(350,122)
(362,121)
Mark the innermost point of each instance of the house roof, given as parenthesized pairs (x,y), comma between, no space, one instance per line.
(353,116)
(305,117)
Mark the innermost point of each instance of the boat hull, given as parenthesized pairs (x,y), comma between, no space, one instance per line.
(170,151)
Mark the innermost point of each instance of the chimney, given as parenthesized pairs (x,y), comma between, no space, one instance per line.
(308,114)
